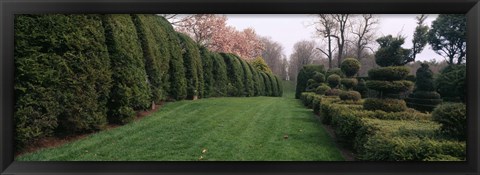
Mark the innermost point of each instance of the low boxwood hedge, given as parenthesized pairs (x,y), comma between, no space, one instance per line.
(387,105)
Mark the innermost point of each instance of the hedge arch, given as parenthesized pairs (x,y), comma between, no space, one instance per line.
(193,66)
(235,75)
(248,79)
(207,63)
(220,77)
(130,90)
(155,44)
(62,75)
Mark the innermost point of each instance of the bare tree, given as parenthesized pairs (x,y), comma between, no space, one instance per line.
(176,19)
(304,52)
(342,22)
(363,31)
(326,28)
(272,54)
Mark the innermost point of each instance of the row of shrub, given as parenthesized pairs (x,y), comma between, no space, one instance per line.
(76,73)
(398,136)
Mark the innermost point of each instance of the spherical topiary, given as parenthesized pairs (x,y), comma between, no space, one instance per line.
(334,80)
(349,83)
(389,73)
(333,92)
(337,71)
(350,66)
(387,105)
(319,77)
(424,80)
(350,95)
(322,89)
(453,117)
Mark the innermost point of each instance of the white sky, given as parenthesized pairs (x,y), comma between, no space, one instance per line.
(287,29)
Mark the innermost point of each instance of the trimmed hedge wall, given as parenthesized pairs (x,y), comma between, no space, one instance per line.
(155,47)
(247,79)
(235,75)
(62,75)
(130,90)
(193,66)
(207,63)
(220,77)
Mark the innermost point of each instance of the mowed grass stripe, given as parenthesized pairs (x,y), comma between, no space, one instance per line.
(230,129)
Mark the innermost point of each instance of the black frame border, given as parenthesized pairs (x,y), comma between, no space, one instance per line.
(8,8)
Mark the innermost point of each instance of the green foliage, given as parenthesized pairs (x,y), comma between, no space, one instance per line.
(248,79)
(261,84)
(350,66)
(62,75)
(306,73)
(390,86)
(260,65)
(219,74)
(155,45)
(319,77)
(426,95)
(268,84)
(256,80)
(333,92)
(130,90)
(389,73)
(274,85)
(349,83)
(279,86)
(450,83)
(350,95)
(207,64)
(361,88)
(337,71)
(387,105)
(448,37)
(235,75)
(424,80)
(411,78)
(193,66)
(322,89)
(333,80)
(453,117)
(391,52)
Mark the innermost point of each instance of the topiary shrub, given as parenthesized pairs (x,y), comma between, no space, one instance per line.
(350,95)
(280,86)
(362,88)
(319,77)
(307,72)
(322,89)
(424,87)
(207,64)
(127,65)
(392,87)
(333,92)
(387,105)
(389,73)
(333,80)
(267,83)
(261,84)
(273,85)
(349,83)
(450,83)
(453,117)
(336,71)
(350,66)
(248,79)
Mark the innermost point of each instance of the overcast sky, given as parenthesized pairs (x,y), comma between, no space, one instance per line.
(287,29)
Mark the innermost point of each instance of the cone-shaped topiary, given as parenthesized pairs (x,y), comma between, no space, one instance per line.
(424,98)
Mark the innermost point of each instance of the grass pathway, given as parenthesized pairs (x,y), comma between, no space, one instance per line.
(227,128)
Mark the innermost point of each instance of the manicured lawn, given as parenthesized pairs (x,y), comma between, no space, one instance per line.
(227,128)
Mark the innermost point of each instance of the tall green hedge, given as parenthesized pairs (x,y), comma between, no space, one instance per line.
(261,84)
(130,90)
(306,73)
(62,76)
(274,85)
(220,77)
(193,66)
(248,79)
(155,45)
(268,84)
(207,63)
(280,86)
(235,75)
(255,80)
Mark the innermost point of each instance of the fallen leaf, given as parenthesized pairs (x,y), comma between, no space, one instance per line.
(204,151)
